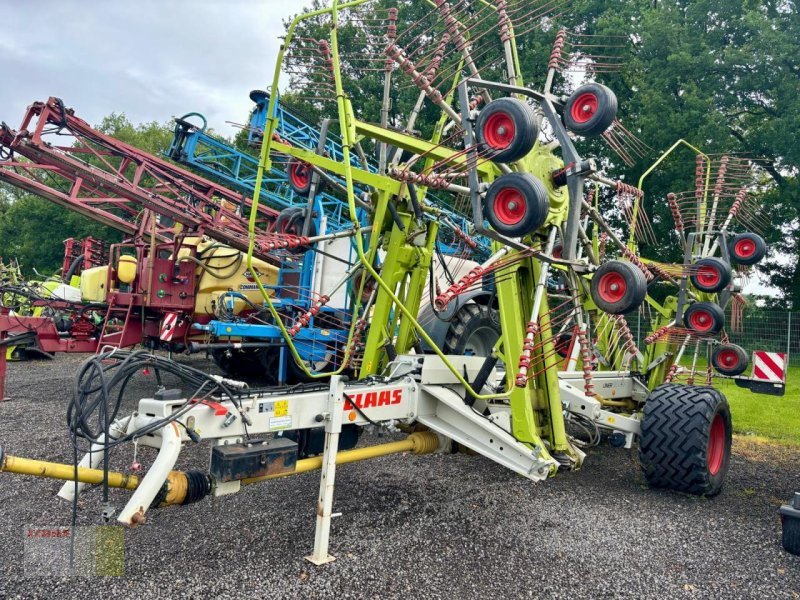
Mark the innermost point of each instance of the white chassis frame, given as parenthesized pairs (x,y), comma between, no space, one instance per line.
(422,389)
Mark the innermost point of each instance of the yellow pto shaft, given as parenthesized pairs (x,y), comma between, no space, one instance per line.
(416,443)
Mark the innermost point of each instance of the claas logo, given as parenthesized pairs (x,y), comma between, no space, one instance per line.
(373,399)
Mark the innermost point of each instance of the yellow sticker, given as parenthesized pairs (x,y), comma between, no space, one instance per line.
(610,419)
(281,408)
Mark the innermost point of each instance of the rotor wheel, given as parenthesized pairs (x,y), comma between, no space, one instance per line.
(704,317)
(730,360)
(473,331)
(618,287)
(685,442)
(506,129)
(516,204)
(590,110)
(711,275)
(747,248)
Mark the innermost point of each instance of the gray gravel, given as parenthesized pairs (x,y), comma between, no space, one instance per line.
(429,526)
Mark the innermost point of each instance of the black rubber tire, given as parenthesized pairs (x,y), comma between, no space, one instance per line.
(504,113)
(730,360)
(602,103)
(284,219)
(516,204)
(618,273)
(693,318)
(562,343)
(751,241)
(290,222)
(675,448)
(246,363)
(473,331)
(790,534)
(296,224)
(711,275)
(298,174)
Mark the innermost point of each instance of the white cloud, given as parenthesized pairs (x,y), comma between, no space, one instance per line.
(150,59)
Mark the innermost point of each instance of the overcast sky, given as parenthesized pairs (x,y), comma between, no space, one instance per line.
(151,59)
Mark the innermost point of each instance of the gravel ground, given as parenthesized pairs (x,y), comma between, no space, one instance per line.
(423,526)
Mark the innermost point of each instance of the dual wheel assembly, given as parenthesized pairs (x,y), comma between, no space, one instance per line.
(517,204)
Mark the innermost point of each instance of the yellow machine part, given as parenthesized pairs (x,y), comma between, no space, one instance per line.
(126,269)
(220,269)
(93,284)
(224,269)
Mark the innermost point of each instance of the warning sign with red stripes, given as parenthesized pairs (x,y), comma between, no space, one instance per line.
(168,324)
(769,366)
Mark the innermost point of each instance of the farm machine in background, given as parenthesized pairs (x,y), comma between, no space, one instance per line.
(507,155)
(469,325)
(186,239)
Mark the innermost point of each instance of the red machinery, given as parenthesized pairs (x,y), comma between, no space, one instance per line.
(119,185)
(58,156)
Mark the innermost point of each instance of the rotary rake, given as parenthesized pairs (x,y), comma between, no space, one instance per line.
(564,267)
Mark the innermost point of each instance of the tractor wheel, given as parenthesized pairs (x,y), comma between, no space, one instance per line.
(244,363)
(730,360)
(710,275)
(299,173)
(747,248)
(704,317)
(590,110)
(506,129)
(473,331)
(618,287)
(516,204)
(685,443)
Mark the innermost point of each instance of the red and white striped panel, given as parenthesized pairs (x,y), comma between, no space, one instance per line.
(769,366)
(168,326)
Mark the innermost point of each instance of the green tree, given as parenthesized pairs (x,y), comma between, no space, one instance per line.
(722,74)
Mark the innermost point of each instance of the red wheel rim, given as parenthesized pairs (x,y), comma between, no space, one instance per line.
(727,359)
(612,287)
(716,445)
(499,131)
(584,108)
(299,172)
(701,320)
(509,206)
(744,248)
(709,276)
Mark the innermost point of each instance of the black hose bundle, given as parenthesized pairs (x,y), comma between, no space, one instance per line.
(99,389)
(98,393)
